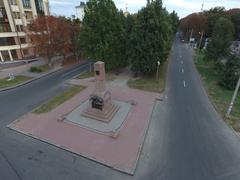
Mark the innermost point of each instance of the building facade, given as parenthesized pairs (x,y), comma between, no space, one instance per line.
(80,11)
(15,15)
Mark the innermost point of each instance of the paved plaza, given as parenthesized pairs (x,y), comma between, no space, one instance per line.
(120,152)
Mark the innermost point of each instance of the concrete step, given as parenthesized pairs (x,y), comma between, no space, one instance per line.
(102,116)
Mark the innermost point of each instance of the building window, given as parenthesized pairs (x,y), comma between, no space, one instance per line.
(13,2)
(19,28)
(16,15)
(3,13)
(29,15)
(5,55)
(26,3)
(25,52)
(5,27)
(23,40)
(7,41)
(39,6)
(14,54)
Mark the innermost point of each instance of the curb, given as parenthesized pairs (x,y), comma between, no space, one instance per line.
(235,132)
(34,79)
(146,131)
(29,81)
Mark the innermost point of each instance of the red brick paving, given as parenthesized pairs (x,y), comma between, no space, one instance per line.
(121,153)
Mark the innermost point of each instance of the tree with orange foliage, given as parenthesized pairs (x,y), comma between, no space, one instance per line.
(51,36)
(195,23)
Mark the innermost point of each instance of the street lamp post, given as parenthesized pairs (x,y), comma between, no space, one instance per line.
(158,64)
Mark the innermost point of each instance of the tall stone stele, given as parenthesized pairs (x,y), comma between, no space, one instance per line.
(100,106)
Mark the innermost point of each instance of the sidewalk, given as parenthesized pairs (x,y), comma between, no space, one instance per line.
(34,77)
(18,69)
(122,78)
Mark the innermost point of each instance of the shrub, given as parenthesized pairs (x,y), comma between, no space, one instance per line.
(36,69)
(229,72)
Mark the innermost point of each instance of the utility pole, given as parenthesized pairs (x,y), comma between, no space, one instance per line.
(233,98)
(191,35)
(200,43)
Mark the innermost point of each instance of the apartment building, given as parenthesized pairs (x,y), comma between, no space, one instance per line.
(15,16)
(80,11)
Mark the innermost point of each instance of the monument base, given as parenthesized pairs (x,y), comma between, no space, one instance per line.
(105,115)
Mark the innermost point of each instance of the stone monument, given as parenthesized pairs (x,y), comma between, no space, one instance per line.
(100,106)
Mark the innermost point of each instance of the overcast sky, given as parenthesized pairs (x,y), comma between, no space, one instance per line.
(182,7)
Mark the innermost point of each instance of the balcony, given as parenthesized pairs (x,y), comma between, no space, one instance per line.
(15,8)
(29,21)
(11,34)
(13,47)
(18,22)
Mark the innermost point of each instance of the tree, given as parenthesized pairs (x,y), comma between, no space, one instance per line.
(229,72)
(50,36)
(236,21)
(221,39)
(174,21)
(150,39)
(193,24)
(129,23)
(212,17)
(74,24)
(102,35)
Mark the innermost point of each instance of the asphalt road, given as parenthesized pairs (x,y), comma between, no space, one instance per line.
(187,140)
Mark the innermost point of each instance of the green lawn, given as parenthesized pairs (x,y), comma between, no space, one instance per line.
(4,83)
(85,75)
(59,99)
(220,96)
(150,83)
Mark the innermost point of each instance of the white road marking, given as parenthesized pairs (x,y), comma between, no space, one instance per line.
(74,70)
(182,70)
(184,84)
(181,62)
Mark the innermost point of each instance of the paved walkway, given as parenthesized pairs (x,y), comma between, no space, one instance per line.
(122,78)
(120,152)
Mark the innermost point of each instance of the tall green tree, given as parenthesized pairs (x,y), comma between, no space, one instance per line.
(236,21)
(174,21)
(150,39)
(212,17)
(221,39)
(102,35)
(129,26)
